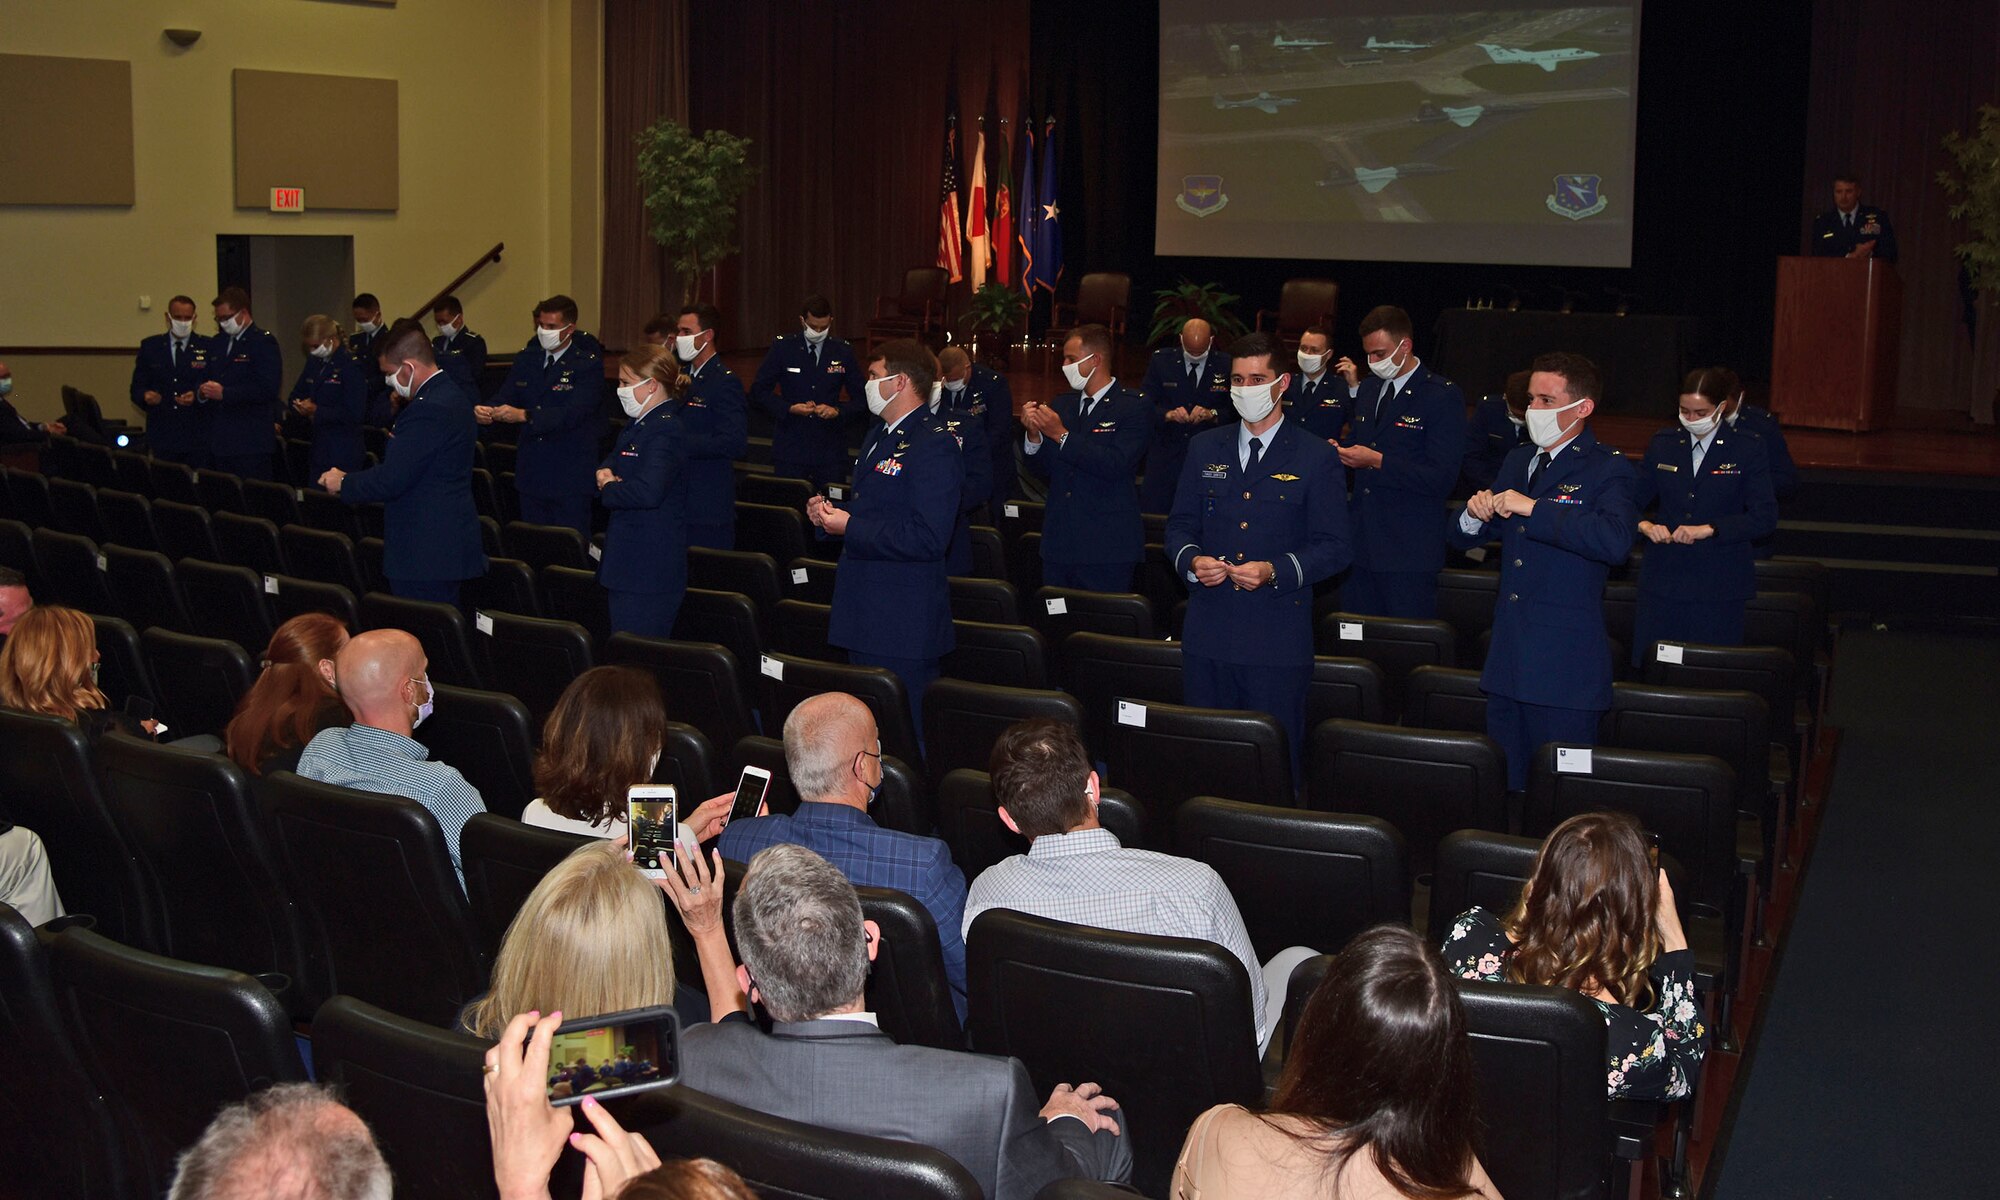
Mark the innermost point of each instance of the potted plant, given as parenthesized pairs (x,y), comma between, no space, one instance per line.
(1175,306)
(691,185)
(1974,185)
(998,309)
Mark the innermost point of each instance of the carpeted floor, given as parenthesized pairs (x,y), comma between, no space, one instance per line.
(1875,1071)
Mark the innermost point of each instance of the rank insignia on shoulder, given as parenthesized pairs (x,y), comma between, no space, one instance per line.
(1286,478)
(1215,471)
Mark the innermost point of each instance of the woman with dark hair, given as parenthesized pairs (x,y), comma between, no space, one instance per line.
(1377,1097)
(1597,915)
(293,698)
(1710,490)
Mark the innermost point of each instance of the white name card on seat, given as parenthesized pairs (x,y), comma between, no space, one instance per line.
(299,494)
(771,666)
(1667,652)
(836,492)
(1573,760)
(1012,511)
(596,552)
(798,574)
(1131,713)
(1477,554)
(270,585)
(103,563)
(482,623)
(1057,606)
(1350,631)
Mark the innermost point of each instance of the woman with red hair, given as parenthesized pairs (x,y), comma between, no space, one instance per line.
(293,698)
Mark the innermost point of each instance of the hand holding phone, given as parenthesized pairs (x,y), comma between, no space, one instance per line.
(652,821)
(613,1055)
(751,789)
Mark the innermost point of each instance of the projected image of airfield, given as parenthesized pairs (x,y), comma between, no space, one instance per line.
(1467,118)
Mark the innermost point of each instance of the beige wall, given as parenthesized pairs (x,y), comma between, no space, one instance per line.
(500,142)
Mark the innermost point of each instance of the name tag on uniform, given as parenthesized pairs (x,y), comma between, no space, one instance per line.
(796,370)
(1665,467)
(1215,471)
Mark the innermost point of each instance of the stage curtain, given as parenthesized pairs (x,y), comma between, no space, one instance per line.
(645,78)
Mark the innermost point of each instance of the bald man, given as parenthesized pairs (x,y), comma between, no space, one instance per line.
(834,756)
(1189,388)
(384,678)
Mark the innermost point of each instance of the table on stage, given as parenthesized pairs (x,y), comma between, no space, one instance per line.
(1643,357)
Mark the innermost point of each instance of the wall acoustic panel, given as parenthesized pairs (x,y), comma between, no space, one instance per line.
(65,130)
(332,135)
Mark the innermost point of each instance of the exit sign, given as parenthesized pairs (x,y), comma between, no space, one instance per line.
(288,199)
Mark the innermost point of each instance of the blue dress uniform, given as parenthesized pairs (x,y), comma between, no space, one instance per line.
(1319,405)
(242,424)
(645,547)
(967,427)
(1170,385)
(891,601)
(1548,674)
(431,540)
(1834,235)
(1784,472)
(1254,650)
(555,467)
(715,420)
(177,432)
(1092,536)
(463,357)
(1420,431)
(380,407)
(338,387)
(1490,437)
(795,372)
(986,397)
(1696,592)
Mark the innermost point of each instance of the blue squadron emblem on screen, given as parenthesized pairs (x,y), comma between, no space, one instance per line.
(1577,197)
(1201,195)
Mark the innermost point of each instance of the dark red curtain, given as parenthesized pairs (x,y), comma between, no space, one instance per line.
(645,78)
(1883,93)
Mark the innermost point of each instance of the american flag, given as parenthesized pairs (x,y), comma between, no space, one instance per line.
(949,255)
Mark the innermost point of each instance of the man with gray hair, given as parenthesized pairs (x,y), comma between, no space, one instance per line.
(834,755)
(806,951)
(293,1140)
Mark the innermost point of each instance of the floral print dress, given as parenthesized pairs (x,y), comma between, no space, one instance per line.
(1653,1055)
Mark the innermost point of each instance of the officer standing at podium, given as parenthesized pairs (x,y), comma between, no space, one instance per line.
(168,369)
(1087,443)
(245,373)
(1851,229)
(1259,517)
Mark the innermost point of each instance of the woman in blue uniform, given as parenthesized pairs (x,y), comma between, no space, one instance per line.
(331,393)
(1709,487)
(644,485)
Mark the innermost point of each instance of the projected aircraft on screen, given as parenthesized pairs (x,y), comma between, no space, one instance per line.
(1280,133)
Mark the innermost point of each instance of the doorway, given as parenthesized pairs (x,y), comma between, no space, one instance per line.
(289,277)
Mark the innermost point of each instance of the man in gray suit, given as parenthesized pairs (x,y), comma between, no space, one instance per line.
(806,951)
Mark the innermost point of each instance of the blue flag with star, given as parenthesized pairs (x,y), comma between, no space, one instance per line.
(1046,251)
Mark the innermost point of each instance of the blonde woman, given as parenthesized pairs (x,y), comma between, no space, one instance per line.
(331,394)
(49,666)
(644,485)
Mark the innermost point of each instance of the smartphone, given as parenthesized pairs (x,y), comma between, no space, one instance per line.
(1653,848)
(651,816)
(614,1055)
(750,792)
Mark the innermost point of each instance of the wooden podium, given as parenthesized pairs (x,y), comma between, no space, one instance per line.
(1833,353)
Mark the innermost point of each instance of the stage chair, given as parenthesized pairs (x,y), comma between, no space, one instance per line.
(1102,298)
(918,311)
(1302,304)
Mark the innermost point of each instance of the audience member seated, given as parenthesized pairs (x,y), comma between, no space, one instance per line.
(1377,1096)
(591,939)
(834,756)
(529,1133)
(1076,870)
(293,698)
(384,678)
(26,883)
(294,1139)
(604,735)
(1597,915)
(49,666)
(14,599)
(806,951)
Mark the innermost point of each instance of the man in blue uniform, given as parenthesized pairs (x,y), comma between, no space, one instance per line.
(891,601)
(168,369)
(431,537)
(551,394)
(241,389)
(1319,401)
(1087,443)
(14,429)
(981,394)
(956,414)
(1747,418)
(808,384)
(1499,424)
(1852,229)
(1188,387)
(643,484)
(461,353)
(1259,517)
(1408,431)
(365,344)
(715,419)
(1563,511)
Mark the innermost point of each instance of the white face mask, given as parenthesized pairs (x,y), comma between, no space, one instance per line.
(1075,373)
(1255,402)
(628,399)
(232,326)
(1311,363)
(872,392)
(816,336)
(180,329)
(323,351)
(1517,422)
(1545,424)
(397,385)
(1387,368)
(551,339)
(1701,428)
(1193,354)
(448,329)
(684,346)
(366,326)
(954,388)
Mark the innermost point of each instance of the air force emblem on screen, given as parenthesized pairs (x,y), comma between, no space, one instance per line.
(1201,195)
(1577,197)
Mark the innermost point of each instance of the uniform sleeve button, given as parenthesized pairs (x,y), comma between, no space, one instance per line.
(1517,562)
(1513,596)
(1243,525)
